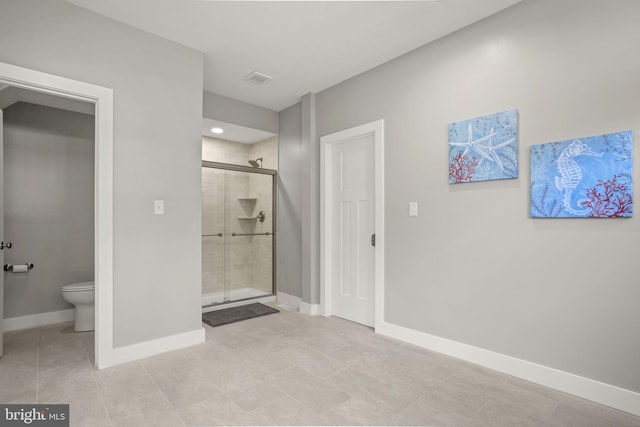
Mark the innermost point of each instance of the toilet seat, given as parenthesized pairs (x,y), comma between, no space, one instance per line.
(79,287)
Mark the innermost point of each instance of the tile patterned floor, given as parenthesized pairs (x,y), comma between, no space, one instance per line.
(282,369)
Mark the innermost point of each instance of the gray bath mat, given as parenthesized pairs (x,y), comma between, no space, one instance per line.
(236,314)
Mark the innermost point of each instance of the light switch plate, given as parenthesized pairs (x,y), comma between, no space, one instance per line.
(413,208)
(158,207)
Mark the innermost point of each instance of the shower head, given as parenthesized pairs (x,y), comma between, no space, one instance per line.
(255,163)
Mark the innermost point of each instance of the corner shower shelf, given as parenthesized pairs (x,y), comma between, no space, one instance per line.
(248,199)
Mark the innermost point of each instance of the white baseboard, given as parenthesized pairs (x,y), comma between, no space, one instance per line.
(310,309)
(606,394)
(36,320)
(289,299)
(133,352)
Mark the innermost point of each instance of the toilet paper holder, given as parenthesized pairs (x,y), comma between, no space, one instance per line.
(9,267)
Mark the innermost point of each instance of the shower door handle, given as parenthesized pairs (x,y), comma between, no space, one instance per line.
(373,239)
(5,245)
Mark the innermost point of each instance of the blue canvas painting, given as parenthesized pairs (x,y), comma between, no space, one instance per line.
(484,148)
(585,178)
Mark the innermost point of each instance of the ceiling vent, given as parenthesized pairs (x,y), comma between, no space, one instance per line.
(257,78)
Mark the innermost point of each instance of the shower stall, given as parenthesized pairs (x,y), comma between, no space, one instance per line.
(238,233)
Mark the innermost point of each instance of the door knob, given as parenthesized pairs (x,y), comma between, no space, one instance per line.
(5,245)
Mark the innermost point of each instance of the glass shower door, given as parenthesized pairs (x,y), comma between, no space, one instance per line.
(238,233)
(213,236)
(250,225)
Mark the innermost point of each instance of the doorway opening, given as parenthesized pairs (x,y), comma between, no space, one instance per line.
(48,207)
(102,100)
(239,212)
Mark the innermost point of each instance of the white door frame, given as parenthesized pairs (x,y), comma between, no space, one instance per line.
(102,98)
(326,224)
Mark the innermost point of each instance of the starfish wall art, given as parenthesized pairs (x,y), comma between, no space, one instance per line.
(484,148)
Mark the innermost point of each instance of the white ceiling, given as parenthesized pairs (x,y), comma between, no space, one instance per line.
(306,46)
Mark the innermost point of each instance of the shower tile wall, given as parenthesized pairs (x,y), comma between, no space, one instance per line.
(250,257)
(268,150)
(219,150)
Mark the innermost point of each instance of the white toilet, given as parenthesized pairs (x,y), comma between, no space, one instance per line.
(82,295)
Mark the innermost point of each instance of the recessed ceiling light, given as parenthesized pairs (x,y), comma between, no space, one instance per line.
(217,130)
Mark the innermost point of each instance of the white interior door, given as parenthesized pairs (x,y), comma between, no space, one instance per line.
(353,211)
(1,232)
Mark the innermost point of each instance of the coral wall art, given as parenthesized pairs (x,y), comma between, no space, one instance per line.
(484,148)
(588,177)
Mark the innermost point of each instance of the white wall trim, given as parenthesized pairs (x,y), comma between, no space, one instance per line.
(289,299)
(149,348)
(326,145)
(37,320)
(606,394)
(310,309)
(102,98)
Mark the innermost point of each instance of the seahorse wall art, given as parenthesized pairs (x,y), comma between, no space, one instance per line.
(588,177)
(484,148)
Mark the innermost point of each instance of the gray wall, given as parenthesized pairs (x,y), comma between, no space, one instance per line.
(218,107)
(473,267)
(158,109)
(48,205)
(289,262)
